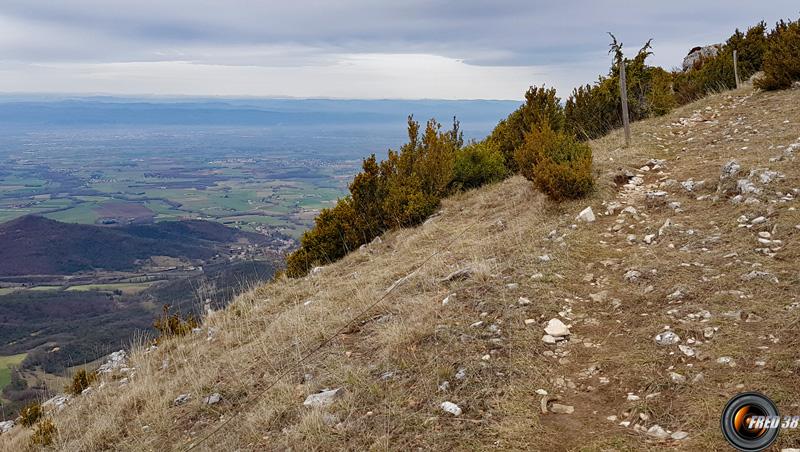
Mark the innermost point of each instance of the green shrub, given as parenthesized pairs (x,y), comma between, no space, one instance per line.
(478,164)
(80,381)
(782,58)
(170,325)
(541,105)
(44,434)
(402,190)
(31,414)
(557,163)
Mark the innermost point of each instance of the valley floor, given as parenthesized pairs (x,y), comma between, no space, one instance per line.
(668,251)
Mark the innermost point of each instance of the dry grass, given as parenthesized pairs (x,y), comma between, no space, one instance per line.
(500,231)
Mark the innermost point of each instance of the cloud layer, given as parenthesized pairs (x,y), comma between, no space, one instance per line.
(347,48)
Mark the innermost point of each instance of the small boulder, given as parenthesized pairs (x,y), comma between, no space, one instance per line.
(556,328)
(212,399)
(181,399)
(5,426)
(558,408)
(586,215)
(451,408)
(667,338)
(657,432)
(324,398)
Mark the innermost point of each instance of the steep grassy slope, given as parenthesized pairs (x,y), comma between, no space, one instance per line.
(614,290)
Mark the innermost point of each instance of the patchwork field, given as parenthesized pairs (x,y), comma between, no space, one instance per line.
(6,362)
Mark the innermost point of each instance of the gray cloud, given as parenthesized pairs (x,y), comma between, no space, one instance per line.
(564,36)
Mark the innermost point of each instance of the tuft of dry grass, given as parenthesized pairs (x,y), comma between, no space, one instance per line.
(393,361)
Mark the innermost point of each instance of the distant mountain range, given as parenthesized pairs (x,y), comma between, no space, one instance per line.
(242,112)
(34,245)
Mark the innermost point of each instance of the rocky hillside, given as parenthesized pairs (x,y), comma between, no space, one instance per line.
(621,322)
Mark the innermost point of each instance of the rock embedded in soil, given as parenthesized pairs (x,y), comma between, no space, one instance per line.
(657,432)
(679,435)
(667,338)
(556,328)
(677,378)
(558,408)
(324,398)
(452,408)
(586,215)
(181,399)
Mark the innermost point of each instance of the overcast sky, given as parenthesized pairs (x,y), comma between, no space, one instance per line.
(346,48)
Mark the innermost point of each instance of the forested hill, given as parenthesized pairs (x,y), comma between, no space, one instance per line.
(34,245)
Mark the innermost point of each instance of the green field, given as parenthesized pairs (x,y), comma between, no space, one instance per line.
(6,363)
(128,288)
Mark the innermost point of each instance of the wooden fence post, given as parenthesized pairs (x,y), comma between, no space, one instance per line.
(623,90)
(736,69)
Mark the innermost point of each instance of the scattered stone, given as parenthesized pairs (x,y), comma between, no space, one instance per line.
(768,176)
(730,169)
(461,373)
(744,186)
(679,435)
(632,397)
(212,399)
(677,378)
(631,211)
(598,297)
(657,432)
(530,321)
(612,207)
(667,338)
(726,360)
(586,215)
(544,258)
(541,392)
(632,275)
(648,239)
(558,408)
(6,426)
(688,351)
(451,408)
(444,386)
(388,375)
(181,399)
(323,398)
(548,339)
(699,378)
(523,301)
(732,315)
(113,361)
(758,220)
(755,274)
(556,328)
(512,286)
(459,275)
(449,298)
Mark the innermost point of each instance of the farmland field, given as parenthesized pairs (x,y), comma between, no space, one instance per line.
(6,362)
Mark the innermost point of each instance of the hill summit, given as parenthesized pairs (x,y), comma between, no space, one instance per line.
(624,321)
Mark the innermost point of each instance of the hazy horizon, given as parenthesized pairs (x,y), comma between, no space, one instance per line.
(351,50)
